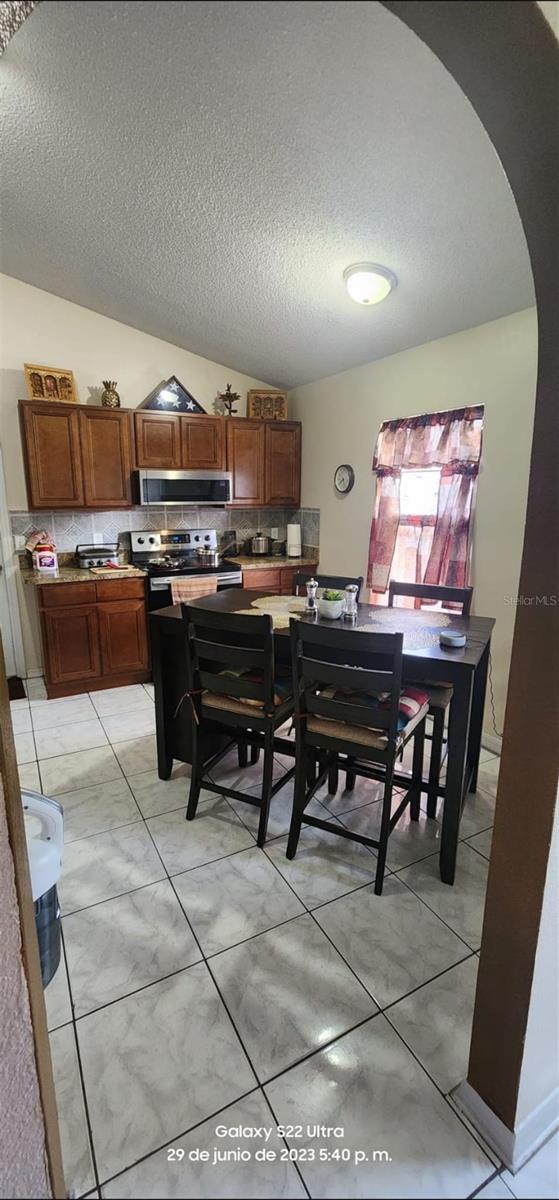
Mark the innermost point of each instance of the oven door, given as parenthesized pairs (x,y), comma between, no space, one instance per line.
(159,588)
(185,487)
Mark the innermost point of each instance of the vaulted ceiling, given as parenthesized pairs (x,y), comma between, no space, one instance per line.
(206,171)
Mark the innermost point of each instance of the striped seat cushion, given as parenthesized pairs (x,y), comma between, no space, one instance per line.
(414,706)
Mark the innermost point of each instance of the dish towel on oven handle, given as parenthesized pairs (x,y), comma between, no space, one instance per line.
(183,590)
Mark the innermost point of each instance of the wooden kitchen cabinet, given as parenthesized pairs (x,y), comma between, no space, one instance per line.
(172,441)
(122,636)
(71,647)
(106,446)
(274,581)
(282,463)
(158,440)
(202,443)
(94,635)
(82,456)
(76,456)
(52,455)
(245,460)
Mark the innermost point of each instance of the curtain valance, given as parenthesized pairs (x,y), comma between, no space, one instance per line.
(437,439)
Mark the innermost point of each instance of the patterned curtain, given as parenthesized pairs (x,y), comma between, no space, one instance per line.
(449,440)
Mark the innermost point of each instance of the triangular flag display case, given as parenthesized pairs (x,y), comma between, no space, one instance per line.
(172,396)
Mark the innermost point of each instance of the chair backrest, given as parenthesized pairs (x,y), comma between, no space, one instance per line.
(231,642)
(347,659)
(432,591)
(336,582)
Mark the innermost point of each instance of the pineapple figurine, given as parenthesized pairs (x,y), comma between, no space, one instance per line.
(110,397)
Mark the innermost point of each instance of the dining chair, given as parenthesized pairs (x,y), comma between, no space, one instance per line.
(349,701)
(336,582)
(233,682)
(440,694)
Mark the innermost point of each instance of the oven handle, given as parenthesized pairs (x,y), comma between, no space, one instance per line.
(160,583)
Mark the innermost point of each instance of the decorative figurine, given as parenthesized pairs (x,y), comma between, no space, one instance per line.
(110,397)
(228,399)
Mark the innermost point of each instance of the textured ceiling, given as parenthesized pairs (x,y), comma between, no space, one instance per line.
(205,171)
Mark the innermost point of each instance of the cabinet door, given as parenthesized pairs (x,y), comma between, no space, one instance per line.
(158,440)
(266,580)
(71,643)
(122,636)
(245,460)
(52,455)
(203,443)
(283,463)
(107,457)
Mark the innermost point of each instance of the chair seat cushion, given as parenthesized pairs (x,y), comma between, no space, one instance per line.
(361,734)
(413,707)
(245,704)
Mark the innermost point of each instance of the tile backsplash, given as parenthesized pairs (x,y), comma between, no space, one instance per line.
(69,528)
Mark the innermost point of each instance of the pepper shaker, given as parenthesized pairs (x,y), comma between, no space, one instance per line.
(350,609)
(312,588)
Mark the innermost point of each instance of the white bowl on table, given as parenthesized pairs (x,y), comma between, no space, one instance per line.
(331,609)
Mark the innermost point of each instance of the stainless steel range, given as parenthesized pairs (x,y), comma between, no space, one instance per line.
(168,554)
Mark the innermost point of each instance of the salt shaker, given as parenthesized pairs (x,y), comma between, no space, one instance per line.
(350,609)
(312,588)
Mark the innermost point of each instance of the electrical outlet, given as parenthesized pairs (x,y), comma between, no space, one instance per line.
(274,533)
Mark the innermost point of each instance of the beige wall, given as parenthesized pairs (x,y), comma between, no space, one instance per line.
(38,327)
(493,364)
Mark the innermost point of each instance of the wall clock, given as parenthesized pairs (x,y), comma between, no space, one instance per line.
(344,479)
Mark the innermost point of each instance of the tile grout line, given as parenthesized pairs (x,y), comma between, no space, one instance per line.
(82,1077)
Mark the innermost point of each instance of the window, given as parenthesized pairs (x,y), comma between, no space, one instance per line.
(426,470)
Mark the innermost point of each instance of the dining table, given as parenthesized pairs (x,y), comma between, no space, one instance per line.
(425,660)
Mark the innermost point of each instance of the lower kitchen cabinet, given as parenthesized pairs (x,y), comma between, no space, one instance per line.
(122,636)
(71,645)
(94,635)
(274,581)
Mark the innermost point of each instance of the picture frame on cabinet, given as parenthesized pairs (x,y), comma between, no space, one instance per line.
(267,404)
(50,383)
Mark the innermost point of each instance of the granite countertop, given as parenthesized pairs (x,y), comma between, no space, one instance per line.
(76,575)
(253,563)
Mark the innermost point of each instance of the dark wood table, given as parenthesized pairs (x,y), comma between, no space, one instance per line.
(424,659)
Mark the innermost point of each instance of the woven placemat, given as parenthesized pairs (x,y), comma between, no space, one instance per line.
(424,631)
(274,604)
(280,620)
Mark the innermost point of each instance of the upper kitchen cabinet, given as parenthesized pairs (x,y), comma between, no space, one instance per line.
(171,441)
(76,456)
(282,458)
(202,443)
(51,445)
(158,440)
(106,445)
(245,461)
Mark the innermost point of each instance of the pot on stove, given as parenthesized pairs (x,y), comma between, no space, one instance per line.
(207,556)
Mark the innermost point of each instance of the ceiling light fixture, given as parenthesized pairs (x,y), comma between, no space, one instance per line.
(367,283)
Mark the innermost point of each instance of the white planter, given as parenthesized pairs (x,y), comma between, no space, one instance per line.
(331,609)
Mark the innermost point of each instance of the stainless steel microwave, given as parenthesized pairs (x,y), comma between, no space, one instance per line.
(185,487)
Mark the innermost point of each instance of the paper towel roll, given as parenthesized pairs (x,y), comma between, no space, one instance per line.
(293,541)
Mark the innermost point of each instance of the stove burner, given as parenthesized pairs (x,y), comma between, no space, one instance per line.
(170,562)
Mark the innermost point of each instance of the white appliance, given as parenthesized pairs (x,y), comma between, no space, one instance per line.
(185,487)
(293,541)
(44,852)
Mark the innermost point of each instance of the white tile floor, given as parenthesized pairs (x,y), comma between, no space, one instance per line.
(206,982)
